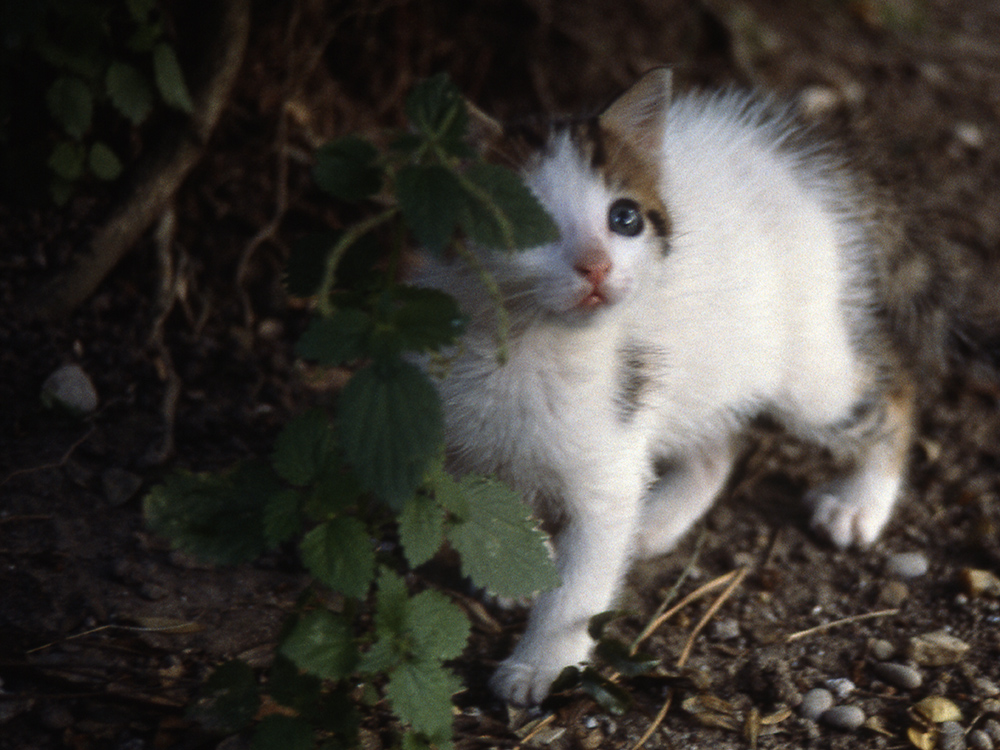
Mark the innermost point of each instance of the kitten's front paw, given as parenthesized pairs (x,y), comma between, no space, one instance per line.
(846,523)
(522,684)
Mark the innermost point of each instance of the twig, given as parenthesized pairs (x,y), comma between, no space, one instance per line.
(693,596)
(838,623)
(674,590)
(61,462)
(656,721)
(737,576)
(538,728)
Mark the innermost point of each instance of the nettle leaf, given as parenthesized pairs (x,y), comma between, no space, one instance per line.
(390,426)
(501,546)
(447,491)
(501,212)
(432,200)
(435,107)
(129,91)
(103,162)
(322,644)
(170,78)
(438,629)
(420,695)
(218,518)
(339,339)
(616,655)
(303,448)
(67,160)
(390,605)
(278,732)
(282,519)
(348,168)
(335,490)
(339,553)
(71,103)
(229,699)
(421,529)
(611,697)
(292,687)
(427,319)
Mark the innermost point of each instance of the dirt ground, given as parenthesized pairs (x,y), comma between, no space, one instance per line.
(912,90)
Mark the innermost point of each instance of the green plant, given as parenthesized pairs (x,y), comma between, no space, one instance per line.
(107,64)
(333,489)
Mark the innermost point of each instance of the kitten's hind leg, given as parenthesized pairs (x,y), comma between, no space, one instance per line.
(681,496)
(854,509)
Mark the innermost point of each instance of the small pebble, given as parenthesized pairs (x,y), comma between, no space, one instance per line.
(726,629)
(951,736)
(906,564)
(937,649)
(815,702)
(71,388)
(899,675)
(979,740)
(985,687)
(818,101)
(882,649)
(893,594)
(992,728)
(119,485)
(847,718)
(841,687)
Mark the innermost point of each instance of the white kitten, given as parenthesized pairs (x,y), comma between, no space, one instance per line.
(708,271)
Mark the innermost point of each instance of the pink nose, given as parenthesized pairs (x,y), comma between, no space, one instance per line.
(594,270)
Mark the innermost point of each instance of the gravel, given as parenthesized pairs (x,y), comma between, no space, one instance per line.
(951,736)
(979,740)
(899,675)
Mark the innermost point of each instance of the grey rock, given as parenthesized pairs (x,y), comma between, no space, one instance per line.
(726,629)
(992,728)
(120,485)
(985,687)
(71,388)
(951,737)
(899,675)
(815,702)
(841,687)
(907,564)
(979,740)
(882,649)
(846,718)
(936,649)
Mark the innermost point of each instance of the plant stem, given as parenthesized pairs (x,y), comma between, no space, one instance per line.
(347,239)
(503,317)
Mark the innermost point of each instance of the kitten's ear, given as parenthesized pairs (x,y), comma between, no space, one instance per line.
(638,114)
(484,132)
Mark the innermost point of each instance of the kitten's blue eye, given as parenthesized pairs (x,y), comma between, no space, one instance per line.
(625,217)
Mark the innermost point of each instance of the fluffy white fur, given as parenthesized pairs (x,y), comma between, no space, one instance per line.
(760,305)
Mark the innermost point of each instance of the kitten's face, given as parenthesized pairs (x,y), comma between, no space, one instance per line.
(600,180)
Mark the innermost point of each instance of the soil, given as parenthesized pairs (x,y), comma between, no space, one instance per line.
(105,633)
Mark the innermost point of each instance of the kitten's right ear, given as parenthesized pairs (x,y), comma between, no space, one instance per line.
(638,114)
(485,133)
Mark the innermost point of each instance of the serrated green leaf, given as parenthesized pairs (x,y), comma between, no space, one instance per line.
(218,518)
(61,190)
(501,212)
(421,529)
(104,163)
(292,687)
(432,201)
(278,732)
(437,628)
(415,741)
(67,160)
(616,655)
(348,168)
(71,103)
(420,695)
(336,490)
(282,518)
(390,426)
(609,696)
(447,491)
(340,555)
(501,546)
(390,605)
(322,644)
(129,91)
(339,339)
(436,109)
(170,78)
(140,9)
(229,698)
(303,448)
(427,319)
(380,658)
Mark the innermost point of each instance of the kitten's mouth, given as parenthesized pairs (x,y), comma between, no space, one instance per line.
(595,298)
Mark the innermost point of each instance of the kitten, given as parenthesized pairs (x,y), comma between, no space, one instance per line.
(709,271)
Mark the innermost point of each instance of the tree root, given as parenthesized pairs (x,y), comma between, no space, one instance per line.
(159,179)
